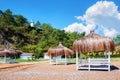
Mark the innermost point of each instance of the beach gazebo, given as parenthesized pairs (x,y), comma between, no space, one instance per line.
(93,43)
(9,53)
(56,54)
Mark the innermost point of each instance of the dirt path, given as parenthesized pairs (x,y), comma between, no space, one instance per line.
(4,66)
(46,71)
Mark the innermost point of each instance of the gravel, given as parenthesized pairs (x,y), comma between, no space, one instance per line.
(46,71)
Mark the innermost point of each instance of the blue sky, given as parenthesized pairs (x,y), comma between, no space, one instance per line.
(59,13)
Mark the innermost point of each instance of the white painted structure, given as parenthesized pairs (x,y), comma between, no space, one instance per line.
(93,63)
(59,60)
(31,23)
(46,56)
(26,56)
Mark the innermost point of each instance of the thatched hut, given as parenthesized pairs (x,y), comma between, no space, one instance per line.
(59,51)
(10,53)
(93,43)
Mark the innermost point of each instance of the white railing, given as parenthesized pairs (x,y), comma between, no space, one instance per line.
(95,63)
(99,63)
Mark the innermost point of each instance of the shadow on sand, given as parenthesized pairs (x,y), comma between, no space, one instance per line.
(112,67)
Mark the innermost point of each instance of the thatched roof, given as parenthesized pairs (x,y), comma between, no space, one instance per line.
(60,50)
(93,43)
(10,52)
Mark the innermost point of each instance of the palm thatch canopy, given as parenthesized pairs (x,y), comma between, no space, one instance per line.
(93,43)
(60,50)
(10,53)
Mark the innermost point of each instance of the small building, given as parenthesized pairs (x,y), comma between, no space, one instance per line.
(46,56)
(26,56)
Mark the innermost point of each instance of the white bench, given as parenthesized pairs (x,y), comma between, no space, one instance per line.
(99,63)
(95,63)
(59,61)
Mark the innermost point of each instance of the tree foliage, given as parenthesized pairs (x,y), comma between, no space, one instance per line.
(38,39)
(20,20)
(117,40)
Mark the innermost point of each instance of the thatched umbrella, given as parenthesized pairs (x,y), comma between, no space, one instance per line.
(10,53)
(60,50)
(93,43)
(4,54)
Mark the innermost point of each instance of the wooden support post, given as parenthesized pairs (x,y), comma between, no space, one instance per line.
(65,59)
(105,54)
(80,58)
(15,60)
(56,60)
(5,59)
(109,61)
(77,60)
(50,60)
(89,64)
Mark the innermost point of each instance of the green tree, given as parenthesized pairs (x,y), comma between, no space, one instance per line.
(20,20)
(72,36)
(7,18)
(117,40)
(17,31)
(45,35)
(37,25)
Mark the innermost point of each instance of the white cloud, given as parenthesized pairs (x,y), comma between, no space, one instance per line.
(79,27)
(110,32)
(75,27)
(79,17)
(102,13)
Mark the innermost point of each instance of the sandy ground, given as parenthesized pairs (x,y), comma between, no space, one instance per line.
(46,71)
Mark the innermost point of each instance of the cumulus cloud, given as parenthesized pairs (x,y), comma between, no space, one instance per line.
(110,32)
(79,27)
(103,14)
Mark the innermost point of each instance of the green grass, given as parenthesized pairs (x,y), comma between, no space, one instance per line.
(1,59)
(73,60)
(22,60)
(115,55)
(115,59)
